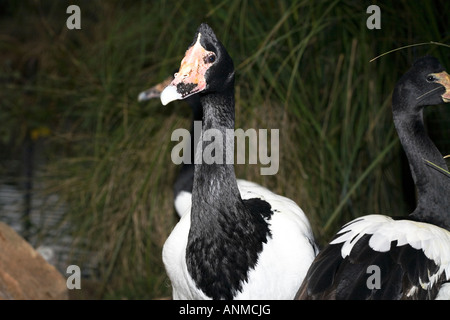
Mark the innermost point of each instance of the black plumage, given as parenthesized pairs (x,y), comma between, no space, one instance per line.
(224,248)
(412,254)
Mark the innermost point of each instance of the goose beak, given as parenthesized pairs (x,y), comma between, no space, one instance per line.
(155,91)
(190,79)
(444,79)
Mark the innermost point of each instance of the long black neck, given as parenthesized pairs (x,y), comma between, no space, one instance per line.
(433,187)
(215,185)
(226,233)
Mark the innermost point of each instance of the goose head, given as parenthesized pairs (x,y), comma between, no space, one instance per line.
(425,84)
(155,91)
(206,67)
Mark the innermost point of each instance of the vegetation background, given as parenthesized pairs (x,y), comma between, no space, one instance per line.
(303,67)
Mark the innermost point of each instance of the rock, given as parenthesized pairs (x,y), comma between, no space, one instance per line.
(24,273)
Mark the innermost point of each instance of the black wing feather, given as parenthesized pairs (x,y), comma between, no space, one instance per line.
(401,269)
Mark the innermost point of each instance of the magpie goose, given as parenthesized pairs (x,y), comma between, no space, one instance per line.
(235,242)
(379,257)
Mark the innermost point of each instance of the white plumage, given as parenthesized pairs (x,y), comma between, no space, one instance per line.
(286,256)
(432,240)
(235,239)
(444,292)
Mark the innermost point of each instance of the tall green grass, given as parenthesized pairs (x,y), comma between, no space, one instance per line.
(301,67)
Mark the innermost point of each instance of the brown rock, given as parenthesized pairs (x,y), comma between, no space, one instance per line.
(24,274)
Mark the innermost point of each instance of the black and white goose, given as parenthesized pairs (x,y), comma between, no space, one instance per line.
(234,243)
(376,256)
(182,187)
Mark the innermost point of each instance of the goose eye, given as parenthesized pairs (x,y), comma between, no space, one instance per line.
(210,58)
(431,78)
